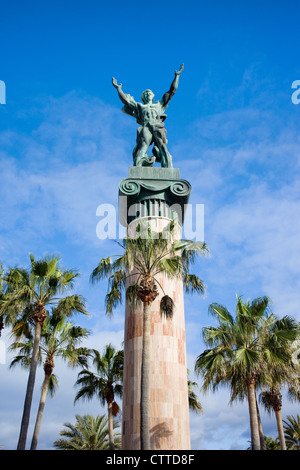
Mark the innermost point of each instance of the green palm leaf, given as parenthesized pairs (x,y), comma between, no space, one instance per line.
(221,312)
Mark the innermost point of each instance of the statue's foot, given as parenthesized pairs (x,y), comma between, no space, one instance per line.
(145,161)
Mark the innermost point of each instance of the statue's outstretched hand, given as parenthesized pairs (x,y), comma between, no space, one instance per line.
(179,71)
(115,84)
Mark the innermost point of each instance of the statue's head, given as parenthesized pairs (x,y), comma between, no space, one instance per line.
(147,96)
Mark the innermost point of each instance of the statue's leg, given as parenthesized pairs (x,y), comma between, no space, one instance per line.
(156,153)
(143,141)
(160,141)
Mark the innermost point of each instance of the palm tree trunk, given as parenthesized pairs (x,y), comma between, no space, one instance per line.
(110,426)
(280,429)
(145,380)
(30,387)
(255,440)
(39,417)
(260,430)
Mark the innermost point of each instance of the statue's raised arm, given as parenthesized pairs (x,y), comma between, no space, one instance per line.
(174,85)
(125,98)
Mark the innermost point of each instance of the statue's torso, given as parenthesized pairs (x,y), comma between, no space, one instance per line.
(152,114)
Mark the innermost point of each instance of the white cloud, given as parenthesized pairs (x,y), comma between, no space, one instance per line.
(54,180)
(243,165)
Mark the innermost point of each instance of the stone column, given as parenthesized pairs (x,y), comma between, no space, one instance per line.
(159,195)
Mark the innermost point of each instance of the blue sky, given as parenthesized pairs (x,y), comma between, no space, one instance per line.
(233,132)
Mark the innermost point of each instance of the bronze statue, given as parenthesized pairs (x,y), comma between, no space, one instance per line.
(151,117)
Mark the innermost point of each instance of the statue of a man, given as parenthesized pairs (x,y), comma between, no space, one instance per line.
(151,117)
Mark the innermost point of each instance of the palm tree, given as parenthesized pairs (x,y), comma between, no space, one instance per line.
(194,403)
(292,432)
(242,351)
(272,400)
(105,383)
(270,444)
(29,292)
(285,373)
(8,316)
(294,386)
(88,433)
(59,338)
(144,257)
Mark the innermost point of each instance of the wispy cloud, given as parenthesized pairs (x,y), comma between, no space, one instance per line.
(54,180)
(244,166)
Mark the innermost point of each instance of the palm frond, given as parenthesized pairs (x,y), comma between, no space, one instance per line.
(112,299)
(172,267)
(260,306)
(193,284)
(52,385)
(71,305)
(131,294)
(101,271)
(221,312)
(167,306)
(45,267)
